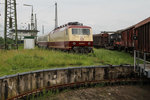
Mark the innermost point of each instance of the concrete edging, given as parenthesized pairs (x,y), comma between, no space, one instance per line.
(14,85)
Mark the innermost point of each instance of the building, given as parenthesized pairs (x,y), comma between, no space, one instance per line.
(23,33)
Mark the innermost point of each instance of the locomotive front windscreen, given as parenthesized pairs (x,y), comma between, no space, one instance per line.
(80,31)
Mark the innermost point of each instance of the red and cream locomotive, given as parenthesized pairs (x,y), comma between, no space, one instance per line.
(74,37)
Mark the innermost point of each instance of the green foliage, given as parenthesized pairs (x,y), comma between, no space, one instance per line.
(113,57)
(1,40)
(18,61)
(9,41)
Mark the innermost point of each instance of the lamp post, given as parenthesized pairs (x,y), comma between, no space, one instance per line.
(0,13)
(56,18)
(32,20)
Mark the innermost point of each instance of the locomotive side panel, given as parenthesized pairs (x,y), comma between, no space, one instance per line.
(58,38)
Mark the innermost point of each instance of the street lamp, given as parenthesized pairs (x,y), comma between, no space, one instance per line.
(32,21)
(1,14)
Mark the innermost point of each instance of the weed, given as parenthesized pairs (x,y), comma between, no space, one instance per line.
(18,61)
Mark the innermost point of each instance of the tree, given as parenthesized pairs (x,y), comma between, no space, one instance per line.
(1,40)
(9,41)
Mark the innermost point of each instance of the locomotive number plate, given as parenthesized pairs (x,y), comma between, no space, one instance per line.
(81,38)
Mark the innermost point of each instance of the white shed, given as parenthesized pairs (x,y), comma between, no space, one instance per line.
(29,42)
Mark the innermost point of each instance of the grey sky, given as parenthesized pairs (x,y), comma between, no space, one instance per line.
(101,15)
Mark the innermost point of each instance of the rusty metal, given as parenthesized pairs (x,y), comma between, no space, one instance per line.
(143,22)
(142,31)
(100,40)
(80,84)
(115,40)
(127,41)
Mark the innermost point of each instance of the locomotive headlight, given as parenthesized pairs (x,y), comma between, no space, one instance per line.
(89,43)
(74,43)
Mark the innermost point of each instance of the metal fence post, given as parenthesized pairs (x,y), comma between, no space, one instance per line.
(138,56)
(134,59)
(144,60)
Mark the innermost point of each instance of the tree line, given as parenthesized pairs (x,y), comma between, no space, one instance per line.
(9,41)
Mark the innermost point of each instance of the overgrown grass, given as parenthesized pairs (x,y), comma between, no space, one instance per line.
(17,61)
(113,57)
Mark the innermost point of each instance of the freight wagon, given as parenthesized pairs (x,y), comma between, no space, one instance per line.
(100,40)
(127,42)
(136,37)
(142,31)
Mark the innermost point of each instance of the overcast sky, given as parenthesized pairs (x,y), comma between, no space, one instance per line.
(101,15)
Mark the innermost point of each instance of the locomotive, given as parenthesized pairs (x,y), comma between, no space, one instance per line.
(73,37)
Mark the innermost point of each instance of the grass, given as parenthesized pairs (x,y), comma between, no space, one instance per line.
(18,61)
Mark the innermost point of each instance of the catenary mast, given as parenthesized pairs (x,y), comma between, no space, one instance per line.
(10,21)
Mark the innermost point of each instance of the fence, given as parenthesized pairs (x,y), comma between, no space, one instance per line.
(142,63)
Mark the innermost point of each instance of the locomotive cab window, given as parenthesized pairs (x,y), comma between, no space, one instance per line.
(85,31)
(79,31)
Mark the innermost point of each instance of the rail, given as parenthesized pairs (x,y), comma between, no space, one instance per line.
(79,84)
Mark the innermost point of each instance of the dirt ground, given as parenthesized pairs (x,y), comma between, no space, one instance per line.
(106,93)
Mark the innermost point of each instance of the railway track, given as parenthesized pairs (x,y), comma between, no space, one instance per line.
(76,85)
